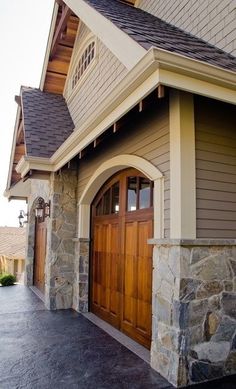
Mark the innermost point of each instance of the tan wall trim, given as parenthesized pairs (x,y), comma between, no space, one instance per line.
(156,67)
(115,39)
(182,166)
(13,146)
(106,170)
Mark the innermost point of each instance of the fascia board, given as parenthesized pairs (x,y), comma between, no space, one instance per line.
(118,42)
(33,163)
(157,67)
(13,146)
(193,85)
(79,140)
(192,67)
(186,74)
(19,190)
(49,43)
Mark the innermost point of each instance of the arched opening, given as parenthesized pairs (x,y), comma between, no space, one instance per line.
(151,226)
(109,168)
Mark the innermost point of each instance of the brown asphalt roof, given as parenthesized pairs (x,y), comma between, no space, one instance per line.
(12,242)
(150,31)
(47,122)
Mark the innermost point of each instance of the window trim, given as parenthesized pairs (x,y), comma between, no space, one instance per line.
(72,91)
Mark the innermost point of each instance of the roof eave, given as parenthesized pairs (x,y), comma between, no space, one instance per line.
(155,68)
(191,67)
(49,43)
(19,191)
(27,163)
(18,113)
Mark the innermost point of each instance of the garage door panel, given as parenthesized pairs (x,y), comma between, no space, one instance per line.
(105,268)
(144,263)
(122,260)
(143,316)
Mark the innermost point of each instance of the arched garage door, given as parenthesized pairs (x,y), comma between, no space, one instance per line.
(121,271)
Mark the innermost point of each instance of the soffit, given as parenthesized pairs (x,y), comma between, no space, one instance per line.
(60,49)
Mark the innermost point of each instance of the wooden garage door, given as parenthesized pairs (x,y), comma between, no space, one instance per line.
(39,255)
(121,271)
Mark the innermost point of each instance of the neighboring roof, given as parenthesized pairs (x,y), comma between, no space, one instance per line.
(47,122)
(12,242)
(150,31)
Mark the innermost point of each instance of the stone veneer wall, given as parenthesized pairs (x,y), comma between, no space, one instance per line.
(60,239)
(194,308)
(38,188)
(81,283)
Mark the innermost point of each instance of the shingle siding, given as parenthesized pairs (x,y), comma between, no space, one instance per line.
(98,82)
(211,20)
(215,169)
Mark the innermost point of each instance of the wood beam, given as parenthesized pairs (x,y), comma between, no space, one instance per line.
(66,13)
(19,131)
(140,106)
(82,153)
(160,91)
(19,151)
(96,142)
(60,2)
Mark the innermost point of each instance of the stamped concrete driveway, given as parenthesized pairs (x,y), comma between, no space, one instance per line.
(62,349)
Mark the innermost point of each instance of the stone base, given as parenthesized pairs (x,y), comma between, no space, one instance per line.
(194,311)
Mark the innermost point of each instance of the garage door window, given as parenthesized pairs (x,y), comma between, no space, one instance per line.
(109,202)
(139,193)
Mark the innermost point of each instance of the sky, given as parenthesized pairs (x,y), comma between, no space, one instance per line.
(24,29)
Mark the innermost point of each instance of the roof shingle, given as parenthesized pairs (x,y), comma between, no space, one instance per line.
(47,122)
(150,31)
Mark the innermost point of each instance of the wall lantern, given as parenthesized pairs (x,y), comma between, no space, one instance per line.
(21,218)
(42,209)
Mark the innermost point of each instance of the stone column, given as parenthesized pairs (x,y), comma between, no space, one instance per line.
(60,240)
(81,284)
(194,310)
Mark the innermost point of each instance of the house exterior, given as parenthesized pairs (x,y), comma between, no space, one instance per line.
(130,144)
(12,251)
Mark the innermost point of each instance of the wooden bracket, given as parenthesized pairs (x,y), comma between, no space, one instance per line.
(160,91)
(141,106)
(66,12)
(82,153)
(96,142)
(19,132)
(116,127)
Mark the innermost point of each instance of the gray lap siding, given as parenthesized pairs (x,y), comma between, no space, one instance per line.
(215,169)
(147,137)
